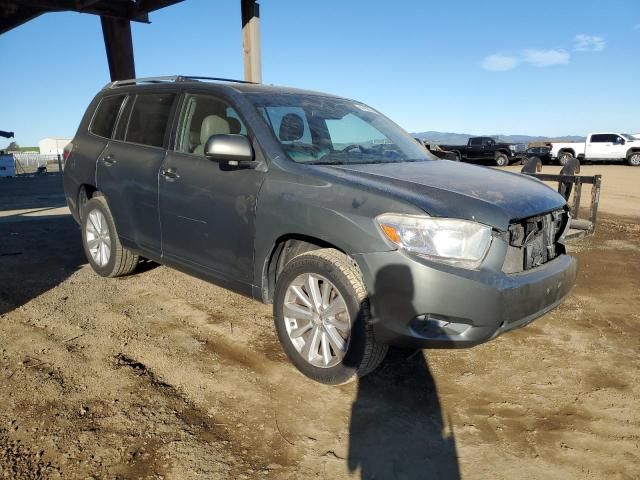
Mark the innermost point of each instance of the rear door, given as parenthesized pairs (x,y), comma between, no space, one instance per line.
(207,210)
(127,171)
(475,148)
(598,145)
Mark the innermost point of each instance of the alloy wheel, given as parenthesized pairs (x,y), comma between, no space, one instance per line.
(98,237)
(317,320)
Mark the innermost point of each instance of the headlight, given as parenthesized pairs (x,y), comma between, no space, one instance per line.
(457,242)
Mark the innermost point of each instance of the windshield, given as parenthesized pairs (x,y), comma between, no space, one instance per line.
(628,136)
(322,130)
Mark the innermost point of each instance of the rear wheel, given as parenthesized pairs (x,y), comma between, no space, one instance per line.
(321,315)
(634,159)
(563,157)
(102,246)
(501,160)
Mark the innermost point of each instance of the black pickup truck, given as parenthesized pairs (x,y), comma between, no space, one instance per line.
(485,148)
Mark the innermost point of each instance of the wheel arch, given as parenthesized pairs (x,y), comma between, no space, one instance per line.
(567,150)
(632,150)
(284,249)
(85,192)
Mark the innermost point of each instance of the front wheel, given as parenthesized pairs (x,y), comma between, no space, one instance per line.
(502,160)
(634,159)
(321,315)
(102,246)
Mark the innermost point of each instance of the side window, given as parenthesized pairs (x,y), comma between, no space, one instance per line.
(288,131)
(105,117)
(203,116)
(149,118)
(476,142)
(598,138)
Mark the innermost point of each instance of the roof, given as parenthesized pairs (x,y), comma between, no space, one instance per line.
(237,85)
(14,13)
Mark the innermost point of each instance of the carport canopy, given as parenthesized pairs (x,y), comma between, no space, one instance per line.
(116,17)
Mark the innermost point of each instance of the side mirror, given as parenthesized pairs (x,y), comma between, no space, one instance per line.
(233,150)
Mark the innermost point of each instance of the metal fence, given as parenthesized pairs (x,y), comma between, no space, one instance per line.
(34,160)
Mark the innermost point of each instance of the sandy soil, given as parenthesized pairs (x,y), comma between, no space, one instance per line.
(620,193)
(160,375)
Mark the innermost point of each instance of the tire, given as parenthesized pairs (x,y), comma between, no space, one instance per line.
(634,159)
(361,353)
(501,160)
(563,157)
(98,226)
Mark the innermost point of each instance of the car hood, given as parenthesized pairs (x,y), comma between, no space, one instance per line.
(443,188)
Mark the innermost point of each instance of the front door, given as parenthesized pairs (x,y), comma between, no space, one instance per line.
(127,171)
(618,148)
(207,211)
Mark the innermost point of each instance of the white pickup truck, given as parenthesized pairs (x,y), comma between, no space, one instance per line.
(599,146)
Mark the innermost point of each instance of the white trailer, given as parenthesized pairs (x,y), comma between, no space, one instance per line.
(7,166)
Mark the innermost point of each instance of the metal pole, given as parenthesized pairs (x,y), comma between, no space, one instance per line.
(119,47)
(59,164)
(251,40)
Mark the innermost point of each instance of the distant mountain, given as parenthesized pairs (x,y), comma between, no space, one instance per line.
(448,138)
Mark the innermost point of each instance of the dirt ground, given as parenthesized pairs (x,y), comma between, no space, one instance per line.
(160,375)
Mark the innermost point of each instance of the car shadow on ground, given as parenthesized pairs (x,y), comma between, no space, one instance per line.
(32,192)
(36,255)
(397,429)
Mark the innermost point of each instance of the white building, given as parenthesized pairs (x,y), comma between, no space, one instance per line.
(53,146)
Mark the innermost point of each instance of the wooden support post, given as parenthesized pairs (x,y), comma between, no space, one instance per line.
(595,200)
(576,199)
(251,40)
(119,47)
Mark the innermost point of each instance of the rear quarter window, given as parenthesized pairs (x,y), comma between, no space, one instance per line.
(106,115)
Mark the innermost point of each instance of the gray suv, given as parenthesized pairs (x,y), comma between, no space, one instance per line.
(320,205)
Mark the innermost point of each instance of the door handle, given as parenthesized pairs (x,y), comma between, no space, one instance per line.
(169,174)
(108,160)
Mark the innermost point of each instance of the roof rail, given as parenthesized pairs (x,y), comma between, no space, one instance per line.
(169,79)
(215,79)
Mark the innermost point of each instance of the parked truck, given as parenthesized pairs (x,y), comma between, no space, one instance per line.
(485,148)
(599,147)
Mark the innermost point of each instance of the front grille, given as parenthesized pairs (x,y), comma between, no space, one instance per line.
(535,241)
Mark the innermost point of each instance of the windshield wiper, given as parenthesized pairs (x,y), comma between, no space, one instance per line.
(324,162)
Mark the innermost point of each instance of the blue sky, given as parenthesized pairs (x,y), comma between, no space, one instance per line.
(538,68)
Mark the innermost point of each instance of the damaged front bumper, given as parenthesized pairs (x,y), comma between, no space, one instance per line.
(418,304)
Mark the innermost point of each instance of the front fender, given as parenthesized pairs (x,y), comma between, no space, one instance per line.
(338,214)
